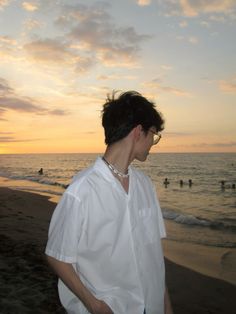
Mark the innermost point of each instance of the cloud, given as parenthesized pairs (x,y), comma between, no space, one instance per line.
(205,24)
(144,2)
(115,77)
(5,88)
(57,112)
(11,139)
(217,18)
(7,40)
(9,100)
(193,40)
(20,104)
(90,37)
(2,112)
(32,24)
(183,24)
(4,139)
(166,67)
(228,86)
(30,6)
(219,144)
(23,104)
(48,50)
(53,52)
(92,29)
(7,47)
(177,134)
(207,146)
(157,84)
(4,3)
(195,7)
(6,133)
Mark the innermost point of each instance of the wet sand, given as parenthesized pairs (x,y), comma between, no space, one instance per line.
(27,285)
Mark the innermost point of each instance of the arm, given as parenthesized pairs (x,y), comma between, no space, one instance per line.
(71,279)
(168,306)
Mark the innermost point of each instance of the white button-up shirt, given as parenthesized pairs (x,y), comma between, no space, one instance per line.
(113,240)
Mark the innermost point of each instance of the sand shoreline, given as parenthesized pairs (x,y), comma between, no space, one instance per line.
(29,286)
(216,262)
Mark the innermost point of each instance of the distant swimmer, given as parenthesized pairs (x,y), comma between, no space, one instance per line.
(222,184)
(233,186)
(166,182)
(181,182)
(190,183)
(40,171)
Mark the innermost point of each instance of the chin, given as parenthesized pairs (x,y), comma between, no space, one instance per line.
(142,158)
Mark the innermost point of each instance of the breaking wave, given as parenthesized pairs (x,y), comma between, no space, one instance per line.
(197,221)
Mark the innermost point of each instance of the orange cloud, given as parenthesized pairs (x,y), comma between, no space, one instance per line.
(7,47)
(144,2)
(193,40)
(193,8)
(7,40)
(30,6)
(196,7)
(228,86)
(4,3)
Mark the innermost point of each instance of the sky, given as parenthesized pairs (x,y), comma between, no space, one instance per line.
(59,60)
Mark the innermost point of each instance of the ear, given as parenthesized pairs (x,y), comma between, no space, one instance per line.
(137,132)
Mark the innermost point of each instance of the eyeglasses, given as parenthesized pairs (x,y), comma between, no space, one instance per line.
(156,137)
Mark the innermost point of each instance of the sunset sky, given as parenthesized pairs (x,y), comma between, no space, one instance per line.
(59,59)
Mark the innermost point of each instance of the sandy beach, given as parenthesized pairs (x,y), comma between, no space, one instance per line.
(29,286)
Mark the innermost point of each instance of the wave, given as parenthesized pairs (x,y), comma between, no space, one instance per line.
(197,221)
(40,190)
(181,218)
(40,180)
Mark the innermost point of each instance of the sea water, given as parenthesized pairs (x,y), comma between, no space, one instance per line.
(203,212)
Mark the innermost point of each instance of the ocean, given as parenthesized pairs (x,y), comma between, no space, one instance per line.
(203,212)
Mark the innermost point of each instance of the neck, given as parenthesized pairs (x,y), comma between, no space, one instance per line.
(115,170)
(119,156)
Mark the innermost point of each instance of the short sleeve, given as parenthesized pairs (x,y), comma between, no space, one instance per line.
(65,229)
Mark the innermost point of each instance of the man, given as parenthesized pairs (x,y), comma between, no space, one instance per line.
(105,234)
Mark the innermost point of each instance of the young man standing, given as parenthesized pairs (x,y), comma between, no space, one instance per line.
(105,234)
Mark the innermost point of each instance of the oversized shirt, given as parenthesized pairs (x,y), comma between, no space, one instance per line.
(113,240)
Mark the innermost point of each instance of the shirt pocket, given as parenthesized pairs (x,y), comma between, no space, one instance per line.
(148,225)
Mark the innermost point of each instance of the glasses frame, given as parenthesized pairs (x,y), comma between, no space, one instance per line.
(156,137)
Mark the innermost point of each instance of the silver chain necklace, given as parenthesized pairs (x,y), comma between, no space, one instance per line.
(114,170)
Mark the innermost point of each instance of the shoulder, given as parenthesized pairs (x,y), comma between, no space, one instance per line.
(81,182)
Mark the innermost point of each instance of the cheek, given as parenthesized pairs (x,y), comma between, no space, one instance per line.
(150,141)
